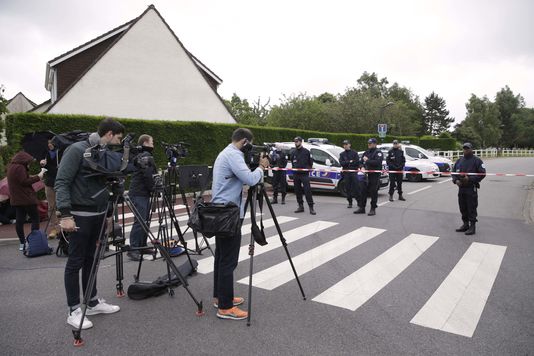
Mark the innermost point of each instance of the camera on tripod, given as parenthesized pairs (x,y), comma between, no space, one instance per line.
(253,156)
(175,151)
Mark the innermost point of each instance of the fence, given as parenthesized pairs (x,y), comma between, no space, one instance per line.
(489,152)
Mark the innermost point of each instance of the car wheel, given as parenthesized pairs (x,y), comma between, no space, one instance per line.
(342,189)
(414,177)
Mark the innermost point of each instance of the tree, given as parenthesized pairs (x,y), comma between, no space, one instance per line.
(246,114)
(301,112)
(370,82)
(482,125)
(524,120)
(508,105)
(435,115)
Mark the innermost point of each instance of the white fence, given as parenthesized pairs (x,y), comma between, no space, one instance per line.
(489,152)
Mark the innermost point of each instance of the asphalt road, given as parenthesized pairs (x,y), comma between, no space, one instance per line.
(401,282)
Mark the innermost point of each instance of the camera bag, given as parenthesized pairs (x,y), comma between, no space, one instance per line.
(212,219)
(37,244)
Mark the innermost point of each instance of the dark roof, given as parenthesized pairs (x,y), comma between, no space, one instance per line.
(25,97)
(42,104)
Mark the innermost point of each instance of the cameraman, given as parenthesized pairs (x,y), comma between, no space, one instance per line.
(230,172)
(279,159)
(141,187)
(83,216)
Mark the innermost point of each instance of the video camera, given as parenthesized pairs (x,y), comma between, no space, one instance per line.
(252,156)
(174,151)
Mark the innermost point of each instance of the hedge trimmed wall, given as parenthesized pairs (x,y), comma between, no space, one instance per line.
(206,139)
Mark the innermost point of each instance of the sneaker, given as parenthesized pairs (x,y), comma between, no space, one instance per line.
(233,313)
(75,317)
(102,308)
(21,247)
(237,301)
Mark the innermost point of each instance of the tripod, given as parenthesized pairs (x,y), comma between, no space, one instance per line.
(256,195)
(115,188)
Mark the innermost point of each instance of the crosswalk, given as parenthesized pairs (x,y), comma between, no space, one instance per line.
(456,306)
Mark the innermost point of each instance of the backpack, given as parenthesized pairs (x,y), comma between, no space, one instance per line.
(64,140)
(37,244)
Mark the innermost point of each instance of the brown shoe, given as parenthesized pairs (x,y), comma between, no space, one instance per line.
(237,301)
(52,234)
(233,313)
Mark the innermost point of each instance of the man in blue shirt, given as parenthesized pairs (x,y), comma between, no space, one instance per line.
(230,172)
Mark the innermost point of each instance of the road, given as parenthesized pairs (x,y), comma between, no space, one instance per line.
(401,282)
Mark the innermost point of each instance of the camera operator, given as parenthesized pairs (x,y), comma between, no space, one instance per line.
(279,159)
(230,172)
(141,187)
(83,215)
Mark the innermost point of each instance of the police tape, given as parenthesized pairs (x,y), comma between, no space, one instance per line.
(399,172)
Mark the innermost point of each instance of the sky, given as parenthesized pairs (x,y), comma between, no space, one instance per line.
(268,49)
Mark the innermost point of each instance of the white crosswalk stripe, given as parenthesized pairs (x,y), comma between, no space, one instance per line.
(206,265)
(281,273)
(457,304)
(356,289)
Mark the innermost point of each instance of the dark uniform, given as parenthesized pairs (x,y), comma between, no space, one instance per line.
(279,160)
(395,161)
(350,160)
(374,162)
(467,191)
(301,158)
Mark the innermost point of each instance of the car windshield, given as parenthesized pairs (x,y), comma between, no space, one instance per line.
(335,151)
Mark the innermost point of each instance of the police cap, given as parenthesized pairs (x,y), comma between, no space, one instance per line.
(467,145)
(372,140)
(346,142)
(298,138)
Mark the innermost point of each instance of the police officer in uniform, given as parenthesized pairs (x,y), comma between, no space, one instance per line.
(372,160)
(395,161)
(350,160)
(467,187)
(279,159)
(301,158)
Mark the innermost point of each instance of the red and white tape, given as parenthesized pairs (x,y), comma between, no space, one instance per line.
(399,172)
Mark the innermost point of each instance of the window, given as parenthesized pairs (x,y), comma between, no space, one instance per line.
(412,152)
(320,157)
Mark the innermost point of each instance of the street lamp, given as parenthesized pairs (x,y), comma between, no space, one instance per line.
(382,109)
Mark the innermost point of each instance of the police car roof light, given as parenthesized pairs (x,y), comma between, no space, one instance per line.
(317,140)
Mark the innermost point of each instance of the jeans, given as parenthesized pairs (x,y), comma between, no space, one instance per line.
(21,212)
(51,199)
(82,247)
(226,258)
(138,236)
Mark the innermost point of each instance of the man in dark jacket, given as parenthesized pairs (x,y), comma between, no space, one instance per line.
(141,187)
(467,187)
(278,159)
(395,161)
(350,160)
(372,161)
(83,214)
(50,163)
(301,158)
(21,193)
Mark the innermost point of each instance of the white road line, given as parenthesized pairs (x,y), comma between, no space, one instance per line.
(206,265)
(419,190)
(457,304)
(356,289)
(445,181)
(131,215)
(282,273)
(383,203)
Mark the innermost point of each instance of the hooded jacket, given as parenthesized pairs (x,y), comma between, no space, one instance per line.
(20,182)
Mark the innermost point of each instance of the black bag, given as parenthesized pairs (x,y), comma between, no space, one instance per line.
(37,244)
(63,245)
(212,219)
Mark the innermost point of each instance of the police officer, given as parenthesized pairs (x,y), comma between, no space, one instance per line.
(372,160)
(350,160)
(301,158)
(279,160)
(467,187)
(395,161)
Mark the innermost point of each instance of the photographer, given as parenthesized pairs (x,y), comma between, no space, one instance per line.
(279,159)
(230,172)
(141,187)
(82,214)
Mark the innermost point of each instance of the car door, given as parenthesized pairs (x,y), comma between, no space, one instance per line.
(322,179)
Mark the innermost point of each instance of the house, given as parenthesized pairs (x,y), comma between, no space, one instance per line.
(19,103)
(137,70)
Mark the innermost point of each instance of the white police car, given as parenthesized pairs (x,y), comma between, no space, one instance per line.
(326,162)
(427,168)
(416,152)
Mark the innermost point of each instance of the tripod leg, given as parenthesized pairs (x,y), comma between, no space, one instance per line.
(119,264)
(282,240)
(251,199)
(174,220)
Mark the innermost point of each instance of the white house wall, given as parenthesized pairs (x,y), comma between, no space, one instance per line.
(19,104)
(145,75)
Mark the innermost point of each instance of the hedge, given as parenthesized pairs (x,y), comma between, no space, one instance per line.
(206,139)
(438,144)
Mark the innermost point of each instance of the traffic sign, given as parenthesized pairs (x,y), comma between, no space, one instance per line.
(382,134)
(382,128)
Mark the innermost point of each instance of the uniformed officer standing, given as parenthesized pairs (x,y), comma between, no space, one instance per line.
(279,160)
(467,187)
(350,160)
(301,158)
(372,160)
(395,161)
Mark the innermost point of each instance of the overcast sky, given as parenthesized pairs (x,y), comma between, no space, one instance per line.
(270,48)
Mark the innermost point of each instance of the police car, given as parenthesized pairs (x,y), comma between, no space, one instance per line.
(326,161)
(416,152)
(427,168)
